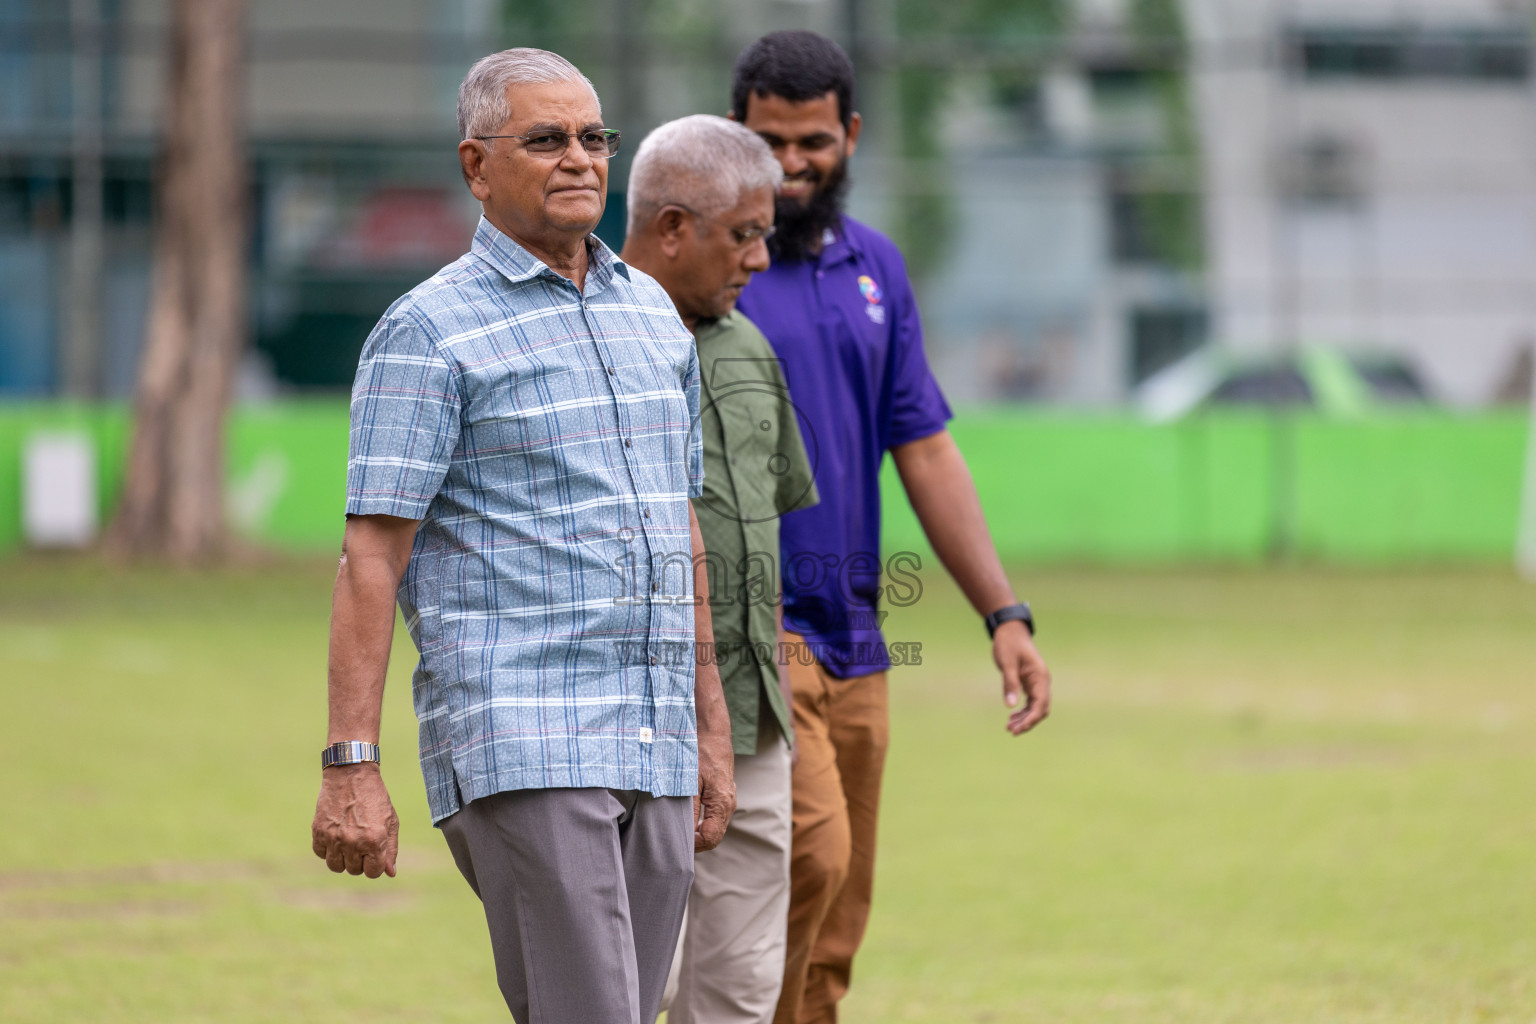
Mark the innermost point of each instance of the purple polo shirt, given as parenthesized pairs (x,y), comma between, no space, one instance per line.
(846,326)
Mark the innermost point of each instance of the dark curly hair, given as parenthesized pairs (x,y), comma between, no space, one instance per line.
(796,65)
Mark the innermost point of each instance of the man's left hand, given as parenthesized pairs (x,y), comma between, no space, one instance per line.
(716,802)
(1026,679)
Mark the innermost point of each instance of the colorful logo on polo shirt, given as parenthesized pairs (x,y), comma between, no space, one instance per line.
(871,293)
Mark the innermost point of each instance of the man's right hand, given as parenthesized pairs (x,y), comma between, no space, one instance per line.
(355,828)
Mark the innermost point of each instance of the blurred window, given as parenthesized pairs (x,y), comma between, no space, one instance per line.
(1271,385)
(34,195)
(1407,53)
(1128,107)
(1021,95)
(1325,170)
(35,63)
(128,192)
(1393,383)
(1161,337)
(1150,224)
(37,193)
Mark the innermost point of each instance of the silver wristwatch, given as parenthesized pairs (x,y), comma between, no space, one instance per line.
(349,752)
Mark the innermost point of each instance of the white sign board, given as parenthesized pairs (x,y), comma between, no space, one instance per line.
(59,490)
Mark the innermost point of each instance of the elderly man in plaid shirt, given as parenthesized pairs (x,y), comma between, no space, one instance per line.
(525,439)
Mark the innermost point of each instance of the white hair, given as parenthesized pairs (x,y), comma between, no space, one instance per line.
(703,162)
(483,107)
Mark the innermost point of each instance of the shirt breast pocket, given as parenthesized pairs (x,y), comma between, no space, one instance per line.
(749,422)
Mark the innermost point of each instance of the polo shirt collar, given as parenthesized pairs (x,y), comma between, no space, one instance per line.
(837,246)
(518,264)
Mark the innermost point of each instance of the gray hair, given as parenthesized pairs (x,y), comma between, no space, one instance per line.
(483,106)
(703,162)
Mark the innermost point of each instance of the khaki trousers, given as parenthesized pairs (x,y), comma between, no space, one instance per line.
(730,957)
(842,730)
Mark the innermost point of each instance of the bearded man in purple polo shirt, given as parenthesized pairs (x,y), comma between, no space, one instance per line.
(838,309)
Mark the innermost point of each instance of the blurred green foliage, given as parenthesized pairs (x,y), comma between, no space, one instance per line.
(933,46)
(1168,209)
(925,208)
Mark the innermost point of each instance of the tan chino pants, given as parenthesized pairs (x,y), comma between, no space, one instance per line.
(842,730)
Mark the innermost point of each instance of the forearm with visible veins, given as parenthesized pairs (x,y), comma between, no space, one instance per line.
(362,631)
(714,718)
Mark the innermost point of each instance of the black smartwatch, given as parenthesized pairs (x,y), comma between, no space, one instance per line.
(1013,613)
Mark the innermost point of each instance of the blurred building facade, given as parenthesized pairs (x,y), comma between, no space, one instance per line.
(1370,180)
(356,192)
(1074,266)
(352,199)
(1086,189)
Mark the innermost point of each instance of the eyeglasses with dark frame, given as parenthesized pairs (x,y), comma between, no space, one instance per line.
(744,236)
(598,142)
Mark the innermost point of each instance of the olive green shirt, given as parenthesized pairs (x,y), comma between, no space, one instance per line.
(755,470)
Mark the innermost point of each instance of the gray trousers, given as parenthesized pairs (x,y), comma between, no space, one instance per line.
(584,892)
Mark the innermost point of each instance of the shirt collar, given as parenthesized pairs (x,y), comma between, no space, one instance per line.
(518,264)
(836,247)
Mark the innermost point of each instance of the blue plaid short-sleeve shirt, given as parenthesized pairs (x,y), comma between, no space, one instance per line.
(549,441)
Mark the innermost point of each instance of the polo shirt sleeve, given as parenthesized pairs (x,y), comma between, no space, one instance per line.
(797,484)
(918,408)
(405,422)
(695,424)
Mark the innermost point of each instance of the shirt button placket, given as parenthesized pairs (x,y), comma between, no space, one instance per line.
(647,720)
(646,755)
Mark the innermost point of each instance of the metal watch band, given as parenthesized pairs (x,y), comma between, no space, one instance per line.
(349,752)
(1013,613)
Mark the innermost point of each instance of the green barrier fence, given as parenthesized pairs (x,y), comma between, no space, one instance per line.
(1239,487)
(1056,486)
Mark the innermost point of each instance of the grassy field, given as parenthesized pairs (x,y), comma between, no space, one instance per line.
(1265,796)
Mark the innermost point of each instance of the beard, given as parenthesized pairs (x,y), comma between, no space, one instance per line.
(799,226)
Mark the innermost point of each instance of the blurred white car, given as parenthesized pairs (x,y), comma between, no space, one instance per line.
(1329,380)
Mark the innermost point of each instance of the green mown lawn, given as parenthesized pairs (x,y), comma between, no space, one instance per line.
(1265,796)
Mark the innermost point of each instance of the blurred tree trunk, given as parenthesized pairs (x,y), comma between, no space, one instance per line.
(173,498)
